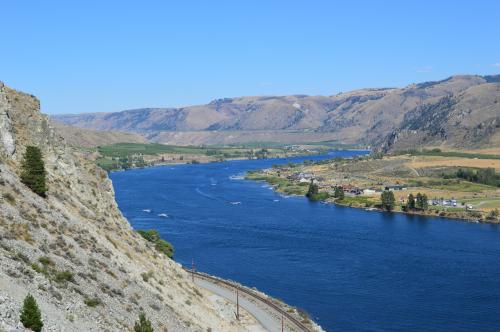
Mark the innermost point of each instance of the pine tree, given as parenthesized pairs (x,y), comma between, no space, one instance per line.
(312,192)
(422,203)
(419,201)
(30,314)
(425,203)
(411,202)
(339,193)
(33,171)
(143,324)
(388,200)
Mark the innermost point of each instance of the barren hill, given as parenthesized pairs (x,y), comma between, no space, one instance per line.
(81,137)
(367,116)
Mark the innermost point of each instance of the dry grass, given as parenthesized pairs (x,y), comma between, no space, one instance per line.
(431,161)
(487,151)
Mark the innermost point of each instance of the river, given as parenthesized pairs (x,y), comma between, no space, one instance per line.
(350,269)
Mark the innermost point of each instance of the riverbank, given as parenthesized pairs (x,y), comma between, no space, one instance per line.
(363,179)
(123,156)
(368,204)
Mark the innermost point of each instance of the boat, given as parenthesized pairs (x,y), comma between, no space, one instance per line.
(163,215)
(147,210)
(235,203)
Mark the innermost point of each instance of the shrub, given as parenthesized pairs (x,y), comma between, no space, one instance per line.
(162,246)
(45,260)
(143,324)
(145,276)
(92,302)
(494,214)
(62,276)
(151,235)
(31,316)
(33,171)
(9,198)
(165,247)
(39,268)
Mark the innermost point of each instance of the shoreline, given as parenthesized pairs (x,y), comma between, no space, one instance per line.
(376,209)
(187,162)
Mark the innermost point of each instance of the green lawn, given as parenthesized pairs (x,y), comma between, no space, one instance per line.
(359,201)
(486,203)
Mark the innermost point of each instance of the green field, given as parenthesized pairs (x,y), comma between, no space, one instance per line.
(485,203)
(457,185)
(359,201)
(458,154)
(128,155)
(126,149)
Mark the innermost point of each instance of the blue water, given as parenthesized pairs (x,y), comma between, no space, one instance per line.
(350,269)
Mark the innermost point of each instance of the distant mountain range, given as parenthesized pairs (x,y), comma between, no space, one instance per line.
(458,112)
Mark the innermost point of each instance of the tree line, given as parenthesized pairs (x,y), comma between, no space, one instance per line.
(486,176)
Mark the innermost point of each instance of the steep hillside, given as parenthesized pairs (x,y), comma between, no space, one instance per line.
(365,116)
(74,251)
(470,119)
(80,137)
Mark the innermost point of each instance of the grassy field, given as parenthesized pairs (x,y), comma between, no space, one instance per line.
(125,149)
(457,186)
(360,201)
(485,203)
(458,154)
(129,155)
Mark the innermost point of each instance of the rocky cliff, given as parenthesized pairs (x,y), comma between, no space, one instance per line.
(74,251)
(367,116)
(467,119)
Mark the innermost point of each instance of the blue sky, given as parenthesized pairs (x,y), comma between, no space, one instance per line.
(96,56)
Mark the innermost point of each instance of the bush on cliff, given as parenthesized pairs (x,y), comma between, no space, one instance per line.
(162,246)
(143,324)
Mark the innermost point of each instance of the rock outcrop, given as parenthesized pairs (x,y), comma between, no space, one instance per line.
(75,252)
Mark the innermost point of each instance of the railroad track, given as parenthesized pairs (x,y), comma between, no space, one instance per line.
(287,318)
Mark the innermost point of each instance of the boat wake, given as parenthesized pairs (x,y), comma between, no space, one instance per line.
(199,191)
